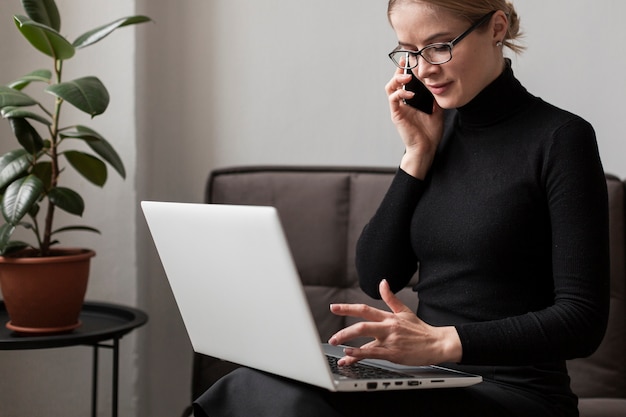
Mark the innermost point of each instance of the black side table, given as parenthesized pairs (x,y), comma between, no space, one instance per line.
(100,322)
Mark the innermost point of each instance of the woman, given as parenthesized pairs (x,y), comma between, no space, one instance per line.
(500,199)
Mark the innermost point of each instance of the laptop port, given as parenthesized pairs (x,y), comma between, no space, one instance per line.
(414,383)
(372,385)
(398,383)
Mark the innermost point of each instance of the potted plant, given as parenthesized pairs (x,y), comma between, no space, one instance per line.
(30,186)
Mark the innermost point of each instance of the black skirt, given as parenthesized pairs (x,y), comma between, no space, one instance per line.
(248,393)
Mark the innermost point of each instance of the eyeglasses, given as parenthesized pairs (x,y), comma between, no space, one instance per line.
(435,53)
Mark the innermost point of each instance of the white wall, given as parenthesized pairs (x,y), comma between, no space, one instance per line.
(227,82)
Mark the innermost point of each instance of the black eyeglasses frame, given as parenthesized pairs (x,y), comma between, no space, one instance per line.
(402,53)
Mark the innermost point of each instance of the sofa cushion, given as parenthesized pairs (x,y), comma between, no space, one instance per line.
(602,407)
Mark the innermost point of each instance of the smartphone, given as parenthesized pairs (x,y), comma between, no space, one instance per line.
(423,98)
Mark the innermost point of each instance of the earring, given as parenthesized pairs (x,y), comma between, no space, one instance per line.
(499,43)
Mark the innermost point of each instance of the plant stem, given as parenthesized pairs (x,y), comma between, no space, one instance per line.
(54,162)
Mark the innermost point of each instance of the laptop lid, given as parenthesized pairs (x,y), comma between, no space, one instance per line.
(240,296)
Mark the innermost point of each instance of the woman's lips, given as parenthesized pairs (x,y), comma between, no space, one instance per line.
(438,89)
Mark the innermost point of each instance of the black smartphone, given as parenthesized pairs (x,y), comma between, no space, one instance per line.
(423,98)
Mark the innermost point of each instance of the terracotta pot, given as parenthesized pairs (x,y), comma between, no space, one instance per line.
(45,295)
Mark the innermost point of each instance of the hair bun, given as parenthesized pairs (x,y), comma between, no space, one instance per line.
(514,32)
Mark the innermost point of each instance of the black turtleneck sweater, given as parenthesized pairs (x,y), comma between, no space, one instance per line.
(510,232)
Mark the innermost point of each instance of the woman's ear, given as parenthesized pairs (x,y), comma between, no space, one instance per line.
(500,25)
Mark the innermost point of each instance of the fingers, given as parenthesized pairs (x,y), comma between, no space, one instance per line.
(391,300)
(370,313)
(374,319)
(395,88)
(368,351)
(376,330)
(359,310)
(397,82)
(373,325)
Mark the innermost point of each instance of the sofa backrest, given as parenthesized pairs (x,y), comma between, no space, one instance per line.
(324,209)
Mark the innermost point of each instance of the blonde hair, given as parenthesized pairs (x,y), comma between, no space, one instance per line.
(475,9)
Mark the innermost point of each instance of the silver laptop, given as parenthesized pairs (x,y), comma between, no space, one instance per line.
(241,299)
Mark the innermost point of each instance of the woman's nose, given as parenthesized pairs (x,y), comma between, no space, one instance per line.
(425,69)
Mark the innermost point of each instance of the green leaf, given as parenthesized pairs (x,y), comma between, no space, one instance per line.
(13,165)
(42,75)
(13,97)
(44,38)
(26,135)
(68,200)
(6,230)
(18,112)
(43,171)
(75,228)
(6,244)
(94,35)
(13,246)
(20,197)
(90,167)
(99,145)
(87,94)
(43,11)
(34,210)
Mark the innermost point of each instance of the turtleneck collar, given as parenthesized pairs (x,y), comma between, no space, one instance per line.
(500,99)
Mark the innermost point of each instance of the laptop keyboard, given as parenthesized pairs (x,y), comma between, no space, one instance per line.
(362,371)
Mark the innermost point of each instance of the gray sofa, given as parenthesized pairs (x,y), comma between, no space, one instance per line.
(323,210)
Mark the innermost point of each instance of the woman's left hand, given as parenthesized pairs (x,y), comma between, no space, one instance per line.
(399,336)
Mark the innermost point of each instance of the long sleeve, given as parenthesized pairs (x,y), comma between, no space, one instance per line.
(573,323)
(384,248)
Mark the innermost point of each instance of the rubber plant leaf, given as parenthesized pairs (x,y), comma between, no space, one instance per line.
(12,112)
(13,165)
(44,38)
(41,75)
(44,12)
(13,246)
(87,94)
(19,198)
(99,145)
(90,167)
(94,35)
(26,135)
(6,244)
(43,171)
(6,230)
(76,228)
(12,97)
(34,210)
(67,199)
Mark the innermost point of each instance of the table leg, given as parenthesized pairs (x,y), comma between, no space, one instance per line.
(94,383)
(116,376)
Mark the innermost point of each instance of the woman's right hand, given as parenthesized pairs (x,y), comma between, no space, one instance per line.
(420,132)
